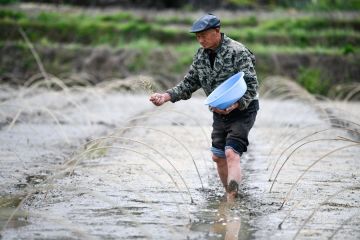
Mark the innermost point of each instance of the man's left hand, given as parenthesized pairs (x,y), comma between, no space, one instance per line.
(227,110)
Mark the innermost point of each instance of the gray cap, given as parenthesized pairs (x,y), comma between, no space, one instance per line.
(205,22)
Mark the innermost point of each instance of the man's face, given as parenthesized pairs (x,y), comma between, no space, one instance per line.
(208,38)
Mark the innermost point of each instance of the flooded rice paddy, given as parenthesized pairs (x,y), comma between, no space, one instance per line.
(94,163)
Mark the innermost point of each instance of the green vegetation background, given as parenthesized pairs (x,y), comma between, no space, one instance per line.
(316,35)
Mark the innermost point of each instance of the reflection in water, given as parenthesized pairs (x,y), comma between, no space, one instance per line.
(8,205)
(227,223)
(220,219)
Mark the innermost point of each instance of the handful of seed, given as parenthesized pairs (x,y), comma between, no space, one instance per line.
(146,84)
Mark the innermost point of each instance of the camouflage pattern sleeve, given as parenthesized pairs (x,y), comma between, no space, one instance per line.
(245,61)
(185,88)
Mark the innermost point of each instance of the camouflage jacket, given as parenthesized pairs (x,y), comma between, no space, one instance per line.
(231,58)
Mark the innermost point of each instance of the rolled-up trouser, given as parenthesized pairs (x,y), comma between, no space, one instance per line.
(232,130)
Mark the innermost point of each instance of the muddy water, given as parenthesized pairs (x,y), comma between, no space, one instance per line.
(143,184)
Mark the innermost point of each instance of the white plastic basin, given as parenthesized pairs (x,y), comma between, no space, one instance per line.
(227,93)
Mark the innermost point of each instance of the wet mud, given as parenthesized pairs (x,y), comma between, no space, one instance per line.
(96,164)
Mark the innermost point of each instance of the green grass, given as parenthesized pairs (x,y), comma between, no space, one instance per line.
(110,29)
(188,21)
(117,18)
(313,81)
(95,33)
(10,14)
(319,49)
(168,35)
(310,23)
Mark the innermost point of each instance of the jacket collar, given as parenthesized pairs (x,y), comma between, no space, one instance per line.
(222,49)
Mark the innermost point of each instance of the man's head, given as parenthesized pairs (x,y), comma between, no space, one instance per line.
(207,30)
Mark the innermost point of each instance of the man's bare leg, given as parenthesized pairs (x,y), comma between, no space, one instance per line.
(222,169)
(234,173)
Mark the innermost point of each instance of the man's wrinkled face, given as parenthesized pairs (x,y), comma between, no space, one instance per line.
(208,38)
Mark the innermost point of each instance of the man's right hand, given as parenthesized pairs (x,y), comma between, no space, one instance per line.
(159,98)
(225,111)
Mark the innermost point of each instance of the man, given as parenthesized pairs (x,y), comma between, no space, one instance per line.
(219,58)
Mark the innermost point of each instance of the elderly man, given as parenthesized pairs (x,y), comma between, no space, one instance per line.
(219,58)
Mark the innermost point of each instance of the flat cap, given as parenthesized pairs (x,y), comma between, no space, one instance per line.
(205,22)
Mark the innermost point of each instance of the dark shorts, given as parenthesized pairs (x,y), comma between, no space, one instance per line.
(232,130)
